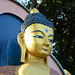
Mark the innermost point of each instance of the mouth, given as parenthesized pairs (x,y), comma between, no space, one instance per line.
(44,49)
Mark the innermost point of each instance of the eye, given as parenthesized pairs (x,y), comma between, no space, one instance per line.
(38,36)
(50,40)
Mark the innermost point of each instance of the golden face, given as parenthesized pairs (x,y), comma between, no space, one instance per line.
(38,39)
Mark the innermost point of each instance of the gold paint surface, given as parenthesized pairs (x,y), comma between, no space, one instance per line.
(35,46)
(67,72)
(34,11)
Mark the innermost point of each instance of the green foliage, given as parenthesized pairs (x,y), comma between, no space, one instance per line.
(62,14)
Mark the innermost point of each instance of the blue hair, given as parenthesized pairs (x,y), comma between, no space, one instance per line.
(35,18)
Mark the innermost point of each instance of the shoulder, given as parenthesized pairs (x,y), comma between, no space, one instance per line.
(53,72)
(6,70)
(23,68)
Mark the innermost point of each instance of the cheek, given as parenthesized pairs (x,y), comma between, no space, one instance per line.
(50,48)
(50,45)
(39,43)
(34,44)
(30,42)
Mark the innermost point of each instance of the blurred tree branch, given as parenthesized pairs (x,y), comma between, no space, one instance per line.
(40,4)
(34,4)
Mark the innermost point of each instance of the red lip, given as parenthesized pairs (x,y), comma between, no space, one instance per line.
(45,49)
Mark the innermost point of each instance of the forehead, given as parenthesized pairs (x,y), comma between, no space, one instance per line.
(39,27)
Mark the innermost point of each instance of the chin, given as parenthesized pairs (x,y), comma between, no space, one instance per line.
(44,56)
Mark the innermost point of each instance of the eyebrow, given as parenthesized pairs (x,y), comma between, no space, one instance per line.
(39,31)
(50,35)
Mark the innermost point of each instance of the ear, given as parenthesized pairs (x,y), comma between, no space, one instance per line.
(22,45)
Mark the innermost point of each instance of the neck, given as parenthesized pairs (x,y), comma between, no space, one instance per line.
(33,59)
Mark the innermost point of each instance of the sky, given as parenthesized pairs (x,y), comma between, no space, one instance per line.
(38,1)
(26,1)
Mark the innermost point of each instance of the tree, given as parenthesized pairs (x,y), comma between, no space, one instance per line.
(62,14)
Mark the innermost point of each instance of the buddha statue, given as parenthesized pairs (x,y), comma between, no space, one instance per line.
(35,40)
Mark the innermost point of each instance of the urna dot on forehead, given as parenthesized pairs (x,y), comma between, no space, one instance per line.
(46,30)
(35,17)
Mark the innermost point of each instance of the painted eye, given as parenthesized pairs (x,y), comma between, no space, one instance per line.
(50,40)
(38,36)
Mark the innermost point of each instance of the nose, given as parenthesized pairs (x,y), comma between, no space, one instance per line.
(46,42)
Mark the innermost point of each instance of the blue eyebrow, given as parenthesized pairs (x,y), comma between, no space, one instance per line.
(50,35)
(39,30)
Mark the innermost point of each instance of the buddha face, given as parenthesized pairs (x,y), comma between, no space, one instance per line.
(38,40)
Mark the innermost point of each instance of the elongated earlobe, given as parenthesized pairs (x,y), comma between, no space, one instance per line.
(22,45)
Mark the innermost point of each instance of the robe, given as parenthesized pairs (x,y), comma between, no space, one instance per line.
(10,70)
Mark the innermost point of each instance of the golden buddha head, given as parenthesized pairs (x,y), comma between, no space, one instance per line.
(36,35)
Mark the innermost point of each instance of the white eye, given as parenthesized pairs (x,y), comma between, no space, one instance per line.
(38,36)
(50,40)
